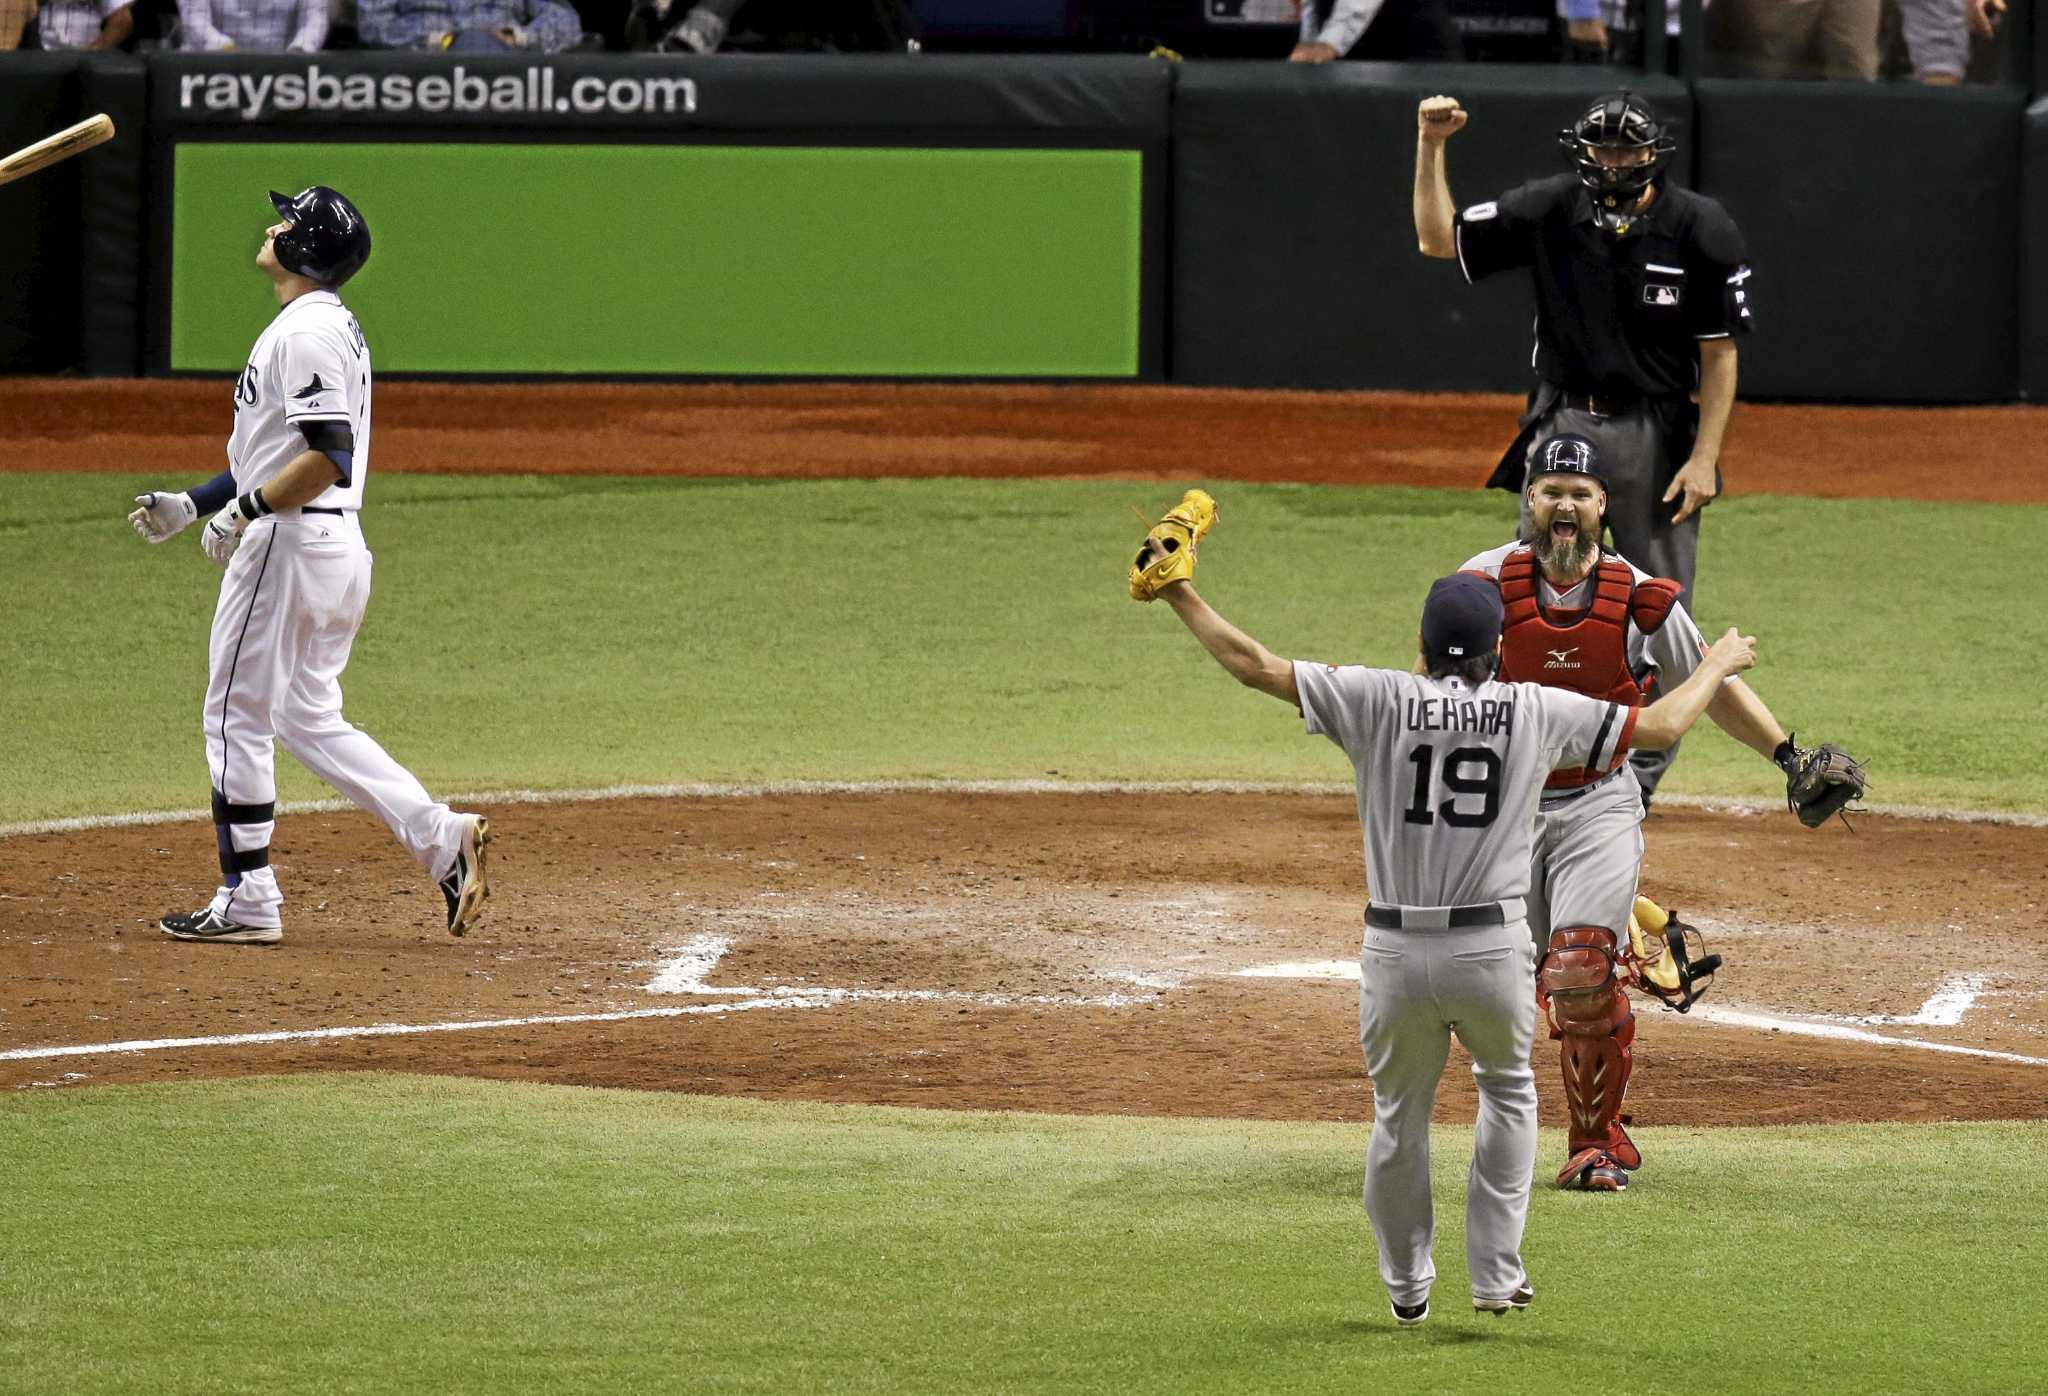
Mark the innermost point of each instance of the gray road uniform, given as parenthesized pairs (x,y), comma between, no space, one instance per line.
(1448,783)
(1589,839)
(1587,850)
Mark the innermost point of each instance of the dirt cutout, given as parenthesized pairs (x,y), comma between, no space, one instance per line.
(1076,953)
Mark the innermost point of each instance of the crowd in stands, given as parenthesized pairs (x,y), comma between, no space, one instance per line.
(1934,41)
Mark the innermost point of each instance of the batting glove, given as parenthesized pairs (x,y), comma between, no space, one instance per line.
(223,533)
(162,515)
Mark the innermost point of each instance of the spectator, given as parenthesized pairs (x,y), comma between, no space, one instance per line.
(14,18)
(1938,32)
(252,26)
(1382,30)
(834,26)
(1796,38)
(1610,31)
(701,28)
(85,23)
(472,26)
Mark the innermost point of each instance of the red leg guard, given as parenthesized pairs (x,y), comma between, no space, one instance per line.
(1591,1014)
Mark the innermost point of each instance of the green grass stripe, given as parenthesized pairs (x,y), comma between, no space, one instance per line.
(372,1234)
(558,632)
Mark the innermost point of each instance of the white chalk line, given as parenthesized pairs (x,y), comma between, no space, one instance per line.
(1945,1008)
(1936,1013)
(681,973)
(1722,804)
(685,967)
(254,1039)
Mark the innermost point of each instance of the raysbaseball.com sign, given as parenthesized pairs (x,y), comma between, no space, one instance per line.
(538,89)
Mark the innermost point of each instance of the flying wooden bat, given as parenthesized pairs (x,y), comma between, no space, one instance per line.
(50,149)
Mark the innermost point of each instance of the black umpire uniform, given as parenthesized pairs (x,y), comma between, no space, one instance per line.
(1622,304)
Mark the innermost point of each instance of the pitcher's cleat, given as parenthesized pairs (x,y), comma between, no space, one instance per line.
(1411,1315)
(1520,1299)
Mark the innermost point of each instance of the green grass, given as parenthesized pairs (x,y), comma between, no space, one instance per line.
(561,632)
(379,1234)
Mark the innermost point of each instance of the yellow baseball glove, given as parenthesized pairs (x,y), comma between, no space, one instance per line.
(1168,553)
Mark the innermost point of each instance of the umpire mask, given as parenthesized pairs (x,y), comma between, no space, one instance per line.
(1619,146)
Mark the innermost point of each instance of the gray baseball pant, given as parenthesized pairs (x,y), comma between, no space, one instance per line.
(1588,858)
(1417,989)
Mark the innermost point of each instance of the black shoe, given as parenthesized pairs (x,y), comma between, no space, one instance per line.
(208,924)
(1411,1315)
(466,887)
(1520,1299)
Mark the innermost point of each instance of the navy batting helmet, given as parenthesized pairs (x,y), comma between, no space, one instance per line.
(1568,455)
(327,241)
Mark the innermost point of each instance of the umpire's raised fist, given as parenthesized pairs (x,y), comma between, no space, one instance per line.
(1440,118)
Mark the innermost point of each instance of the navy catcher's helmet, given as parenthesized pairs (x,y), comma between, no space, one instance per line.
(328,240)
(1568,455)
(1620,121)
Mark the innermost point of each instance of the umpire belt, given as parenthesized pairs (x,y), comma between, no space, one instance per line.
(1382,917)
(1599,404)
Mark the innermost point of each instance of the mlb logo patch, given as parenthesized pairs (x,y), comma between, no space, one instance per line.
(1661,295)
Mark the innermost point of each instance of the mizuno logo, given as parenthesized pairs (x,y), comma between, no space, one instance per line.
(312,389)
(1562,659)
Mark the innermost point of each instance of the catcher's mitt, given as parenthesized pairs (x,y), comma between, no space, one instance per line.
(1819,781)
(1168,553)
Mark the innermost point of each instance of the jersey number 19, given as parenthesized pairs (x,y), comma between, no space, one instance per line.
(1461,781)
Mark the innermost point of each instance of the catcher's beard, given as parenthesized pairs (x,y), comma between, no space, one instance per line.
(1566,558)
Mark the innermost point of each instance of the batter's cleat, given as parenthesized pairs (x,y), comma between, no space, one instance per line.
(1520,1299)
(1593,1170)
(209,925)
(1411,1315)
(467,886)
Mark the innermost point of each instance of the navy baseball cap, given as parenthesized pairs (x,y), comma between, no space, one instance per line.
(1462,617)
(1568,455)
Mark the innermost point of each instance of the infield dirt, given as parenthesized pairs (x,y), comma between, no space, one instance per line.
(1157,899)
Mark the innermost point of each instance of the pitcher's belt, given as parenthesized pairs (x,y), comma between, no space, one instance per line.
(1443,918)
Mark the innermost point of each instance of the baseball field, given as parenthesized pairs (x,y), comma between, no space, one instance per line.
(912,966)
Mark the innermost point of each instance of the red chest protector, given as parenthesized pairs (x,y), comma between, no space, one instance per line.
(1585,651)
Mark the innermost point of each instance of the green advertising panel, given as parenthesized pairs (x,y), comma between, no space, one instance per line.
(649,259)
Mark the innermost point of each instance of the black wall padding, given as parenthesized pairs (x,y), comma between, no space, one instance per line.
(39,251)
(1294,260)
(1884,229)
(2033,296)
(114,237)
(838,96)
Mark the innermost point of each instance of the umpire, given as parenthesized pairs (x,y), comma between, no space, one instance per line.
(1641,287)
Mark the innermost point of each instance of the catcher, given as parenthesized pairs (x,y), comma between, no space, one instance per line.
(1584,618)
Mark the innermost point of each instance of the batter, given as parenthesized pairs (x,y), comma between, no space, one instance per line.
(1450,765)
(297,581)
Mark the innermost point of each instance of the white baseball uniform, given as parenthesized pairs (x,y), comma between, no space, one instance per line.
(1448,782)
(290,605)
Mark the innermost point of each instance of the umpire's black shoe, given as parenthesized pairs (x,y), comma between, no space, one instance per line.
(467,886)
(209,925)
(1520,1299)
(1411,1315)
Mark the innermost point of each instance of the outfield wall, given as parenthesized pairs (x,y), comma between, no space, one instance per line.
(1084,217)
